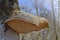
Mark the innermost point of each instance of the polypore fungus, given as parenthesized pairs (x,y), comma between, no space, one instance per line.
(25,22)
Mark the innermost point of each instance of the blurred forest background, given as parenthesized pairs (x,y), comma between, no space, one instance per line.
(43,8)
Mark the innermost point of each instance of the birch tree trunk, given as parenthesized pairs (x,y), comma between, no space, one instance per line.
(44,34)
